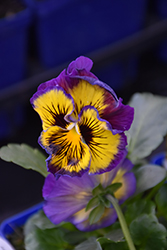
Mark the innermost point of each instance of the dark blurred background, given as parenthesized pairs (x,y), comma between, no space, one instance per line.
(127,40)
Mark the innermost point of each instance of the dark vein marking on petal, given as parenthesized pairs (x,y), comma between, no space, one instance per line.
(58,116)
(74,153)
(91,131)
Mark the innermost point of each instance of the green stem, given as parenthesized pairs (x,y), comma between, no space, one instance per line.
(122,222)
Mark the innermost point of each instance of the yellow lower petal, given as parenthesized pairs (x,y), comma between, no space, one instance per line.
(104,146)
(68,152)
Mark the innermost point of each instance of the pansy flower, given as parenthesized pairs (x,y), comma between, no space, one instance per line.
(83,122)
(67,198)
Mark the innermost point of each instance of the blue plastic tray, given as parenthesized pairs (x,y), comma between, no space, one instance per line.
(68,28)
(8,225)
(161,7)
(14,47)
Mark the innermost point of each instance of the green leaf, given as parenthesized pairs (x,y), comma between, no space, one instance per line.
(48,239)
(163,221)
(96,214)
(107,244)
(148,233)
(92,203)
(68,226)
(36,228)
(39,220)
(24,156)
(137,208)
(90,244)
(161,200)
(75,237)
(104,240)
(149,176)
(115,235)
(116,225)
(149,125)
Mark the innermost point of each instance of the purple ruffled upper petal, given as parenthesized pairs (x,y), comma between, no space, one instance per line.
(120,117)
(80,67)
(50,83)
(81,63)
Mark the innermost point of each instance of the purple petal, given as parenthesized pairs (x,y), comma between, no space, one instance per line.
(81,63)
(50,83)
(127,179)
(126,165)
(66,185)
(60,208)
(78,68)
(48,185)
(120,117)
(66,196)
(58,81)
(129,186)
(81,66)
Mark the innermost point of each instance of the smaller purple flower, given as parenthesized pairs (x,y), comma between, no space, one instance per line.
(67,198)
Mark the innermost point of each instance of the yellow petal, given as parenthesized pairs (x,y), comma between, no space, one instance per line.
(85,94)
(69,155)
(104,146)
(52,106)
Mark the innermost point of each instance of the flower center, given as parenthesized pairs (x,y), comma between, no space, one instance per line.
(73,135)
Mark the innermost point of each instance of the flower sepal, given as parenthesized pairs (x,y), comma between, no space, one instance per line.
(99,202)
(112,188)
(96,214)
(94,202)
(98,190)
